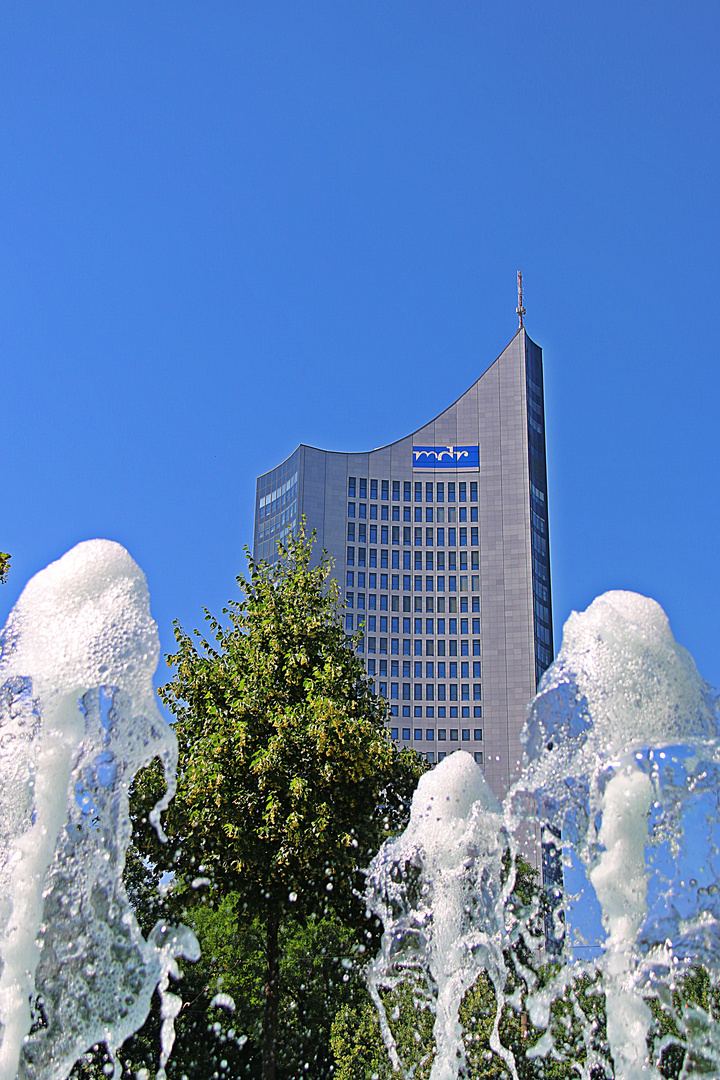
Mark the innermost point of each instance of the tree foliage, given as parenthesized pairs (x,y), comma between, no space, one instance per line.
(4,566)
(318,978)
(288,781)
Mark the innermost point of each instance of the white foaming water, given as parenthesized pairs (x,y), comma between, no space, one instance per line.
(78,719)
(438,890)
(622,745)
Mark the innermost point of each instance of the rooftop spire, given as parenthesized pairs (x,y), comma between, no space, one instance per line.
(520,309)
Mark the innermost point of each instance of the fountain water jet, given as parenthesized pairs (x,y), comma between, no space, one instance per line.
(78,719)
(439,889)
(622,744)
(623,762)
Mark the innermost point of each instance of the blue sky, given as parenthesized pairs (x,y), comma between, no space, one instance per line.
(229,228)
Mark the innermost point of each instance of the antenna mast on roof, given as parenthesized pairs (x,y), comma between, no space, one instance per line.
(520,309)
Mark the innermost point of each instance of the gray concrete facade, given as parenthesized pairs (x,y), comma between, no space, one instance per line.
(443,559)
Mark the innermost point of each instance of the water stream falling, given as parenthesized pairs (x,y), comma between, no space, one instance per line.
(78,719)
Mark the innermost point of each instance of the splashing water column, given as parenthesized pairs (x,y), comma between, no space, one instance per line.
(623,764)
(620,885)
(438,890)
(622,742)
(78,719)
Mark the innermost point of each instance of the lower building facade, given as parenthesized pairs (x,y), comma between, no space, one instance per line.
(441,548)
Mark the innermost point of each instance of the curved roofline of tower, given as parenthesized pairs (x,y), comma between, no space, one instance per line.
(520,330)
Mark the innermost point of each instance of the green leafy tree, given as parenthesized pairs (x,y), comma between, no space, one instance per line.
(288,781)
(317,976)
(4,566)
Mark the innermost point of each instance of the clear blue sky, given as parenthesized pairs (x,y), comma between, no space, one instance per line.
(229,228)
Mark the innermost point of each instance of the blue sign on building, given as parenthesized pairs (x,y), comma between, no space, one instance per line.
(446,457)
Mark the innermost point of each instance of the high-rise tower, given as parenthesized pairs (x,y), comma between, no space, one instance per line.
(440,542)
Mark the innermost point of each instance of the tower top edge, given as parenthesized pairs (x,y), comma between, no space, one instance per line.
(521,330)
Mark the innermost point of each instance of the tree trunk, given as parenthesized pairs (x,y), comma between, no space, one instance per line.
(272,998)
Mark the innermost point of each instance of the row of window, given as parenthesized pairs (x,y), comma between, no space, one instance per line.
(456,537)
(540,591)
(445,691)
(451,515)
(540,569)
(534,405)
(430,646)
(539,543)
(429,672)
(417,626)
(542,612)
(373,605)
(442,755)
(442,711)
(420,647)
(434,492)
(414,626)
(412,559)
(537,521)
(544,655)
(425,603)
(537,494)
(417,734)
(272,512)
(358,599)
(534,424)
(535,390)
(370,624)
(287,517)
(281,494)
